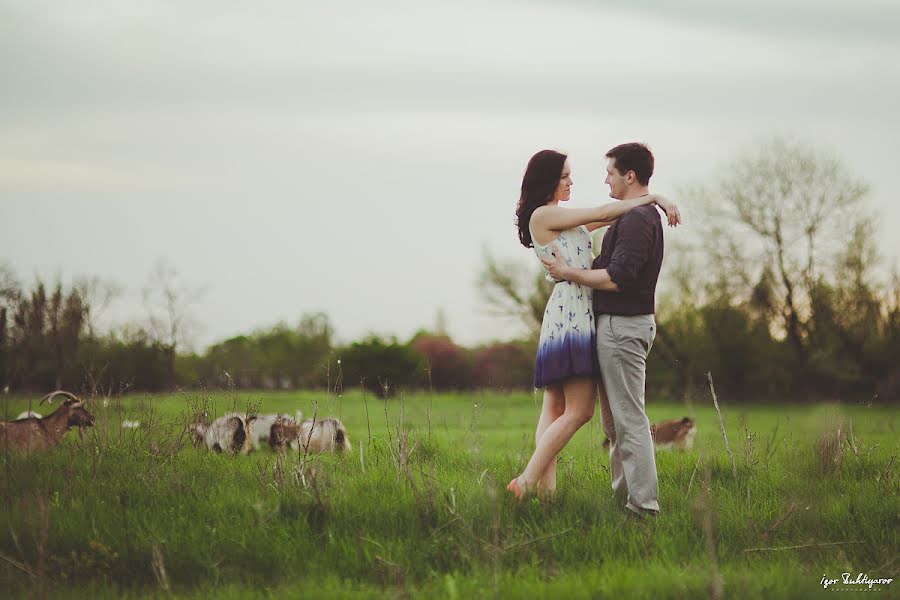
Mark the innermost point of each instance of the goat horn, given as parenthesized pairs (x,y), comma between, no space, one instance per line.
(49,397)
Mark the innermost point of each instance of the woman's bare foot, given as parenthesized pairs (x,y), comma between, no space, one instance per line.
(517,488)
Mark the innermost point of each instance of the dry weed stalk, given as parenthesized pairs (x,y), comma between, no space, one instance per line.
(403,459)
(829,449)
(815,545)
(853,444)
(430,398)
(262,473)
(389,572)
(886,477)
(777,522)
(310,478)
(424,496)
(339,389)
(304,447)
(279,470)
(159,567)
(771,444)
(691,482)
(793,443)
(7,456)
(851,439)
(749,445)
(18,565)
(721,424)
(362,385)
(387,422)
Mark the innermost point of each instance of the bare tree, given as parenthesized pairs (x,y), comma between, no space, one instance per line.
(97,295)
(511,289)
(167,300)
(10,293)
(54,322)
(778,222)
(10,287)
(65,320)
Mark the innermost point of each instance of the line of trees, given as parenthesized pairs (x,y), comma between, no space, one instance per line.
(49,343)
(49,340)
(39,333)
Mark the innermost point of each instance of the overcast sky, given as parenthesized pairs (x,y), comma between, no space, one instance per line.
(357,157)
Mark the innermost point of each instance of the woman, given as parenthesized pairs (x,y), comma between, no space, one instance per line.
(566,357)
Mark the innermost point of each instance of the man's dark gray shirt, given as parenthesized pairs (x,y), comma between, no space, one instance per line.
(632,253)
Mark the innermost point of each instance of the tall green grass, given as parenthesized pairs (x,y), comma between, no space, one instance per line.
(419,506)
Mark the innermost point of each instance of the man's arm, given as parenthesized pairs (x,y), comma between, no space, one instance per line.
(631,253)
(597,279)
(635,237)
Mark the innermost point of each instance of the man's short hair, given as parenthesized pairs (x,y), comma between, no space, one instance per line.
(633,157)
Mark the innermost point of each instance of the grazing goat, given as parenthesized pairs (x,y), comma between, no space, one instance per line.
(42,433)
(326,435)
(262,429)
(674,433)
(28,414)
(229,434)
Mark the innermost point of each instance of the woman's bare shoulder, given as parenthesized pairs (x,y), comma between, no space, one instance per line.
(547,210)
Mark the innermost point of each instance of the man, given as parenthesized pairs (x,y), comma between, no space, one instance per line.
(624,279)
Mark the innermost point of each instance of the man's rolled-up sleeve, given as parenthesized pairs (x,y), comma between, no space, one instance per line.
(635,236)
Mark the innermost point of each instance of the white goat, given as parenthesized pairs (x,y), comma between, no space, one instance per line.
(229,433)
(325,435)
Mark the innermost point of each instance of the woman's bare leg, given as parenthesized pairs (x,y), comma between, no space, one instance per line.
(553,408)
(579,399)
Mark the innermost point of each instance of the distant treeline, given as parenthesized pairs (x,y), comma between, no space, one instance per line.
(44,344)
(850,351)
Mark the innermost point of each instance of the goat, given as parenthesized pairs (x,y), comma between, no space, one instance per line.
(326,435)
(229,434)
(670,434)
(39,434)
(28,414)
(262,429)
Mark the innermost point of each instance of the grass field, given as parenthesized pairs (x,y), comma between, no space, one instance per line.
(419,507)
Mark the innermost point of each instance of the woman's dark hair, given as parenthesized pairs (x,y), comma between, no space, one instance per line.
(538,185)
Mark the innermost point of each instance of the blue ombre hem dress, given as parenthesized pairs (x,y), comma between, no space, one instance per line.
(567,347)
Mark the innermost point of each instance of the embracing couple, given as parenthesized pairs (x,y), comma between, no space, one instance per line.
(598,326)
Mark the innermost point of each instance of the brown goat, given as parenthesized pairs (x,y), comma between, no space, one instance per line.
(671,434)
(39,434)
(283,434)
